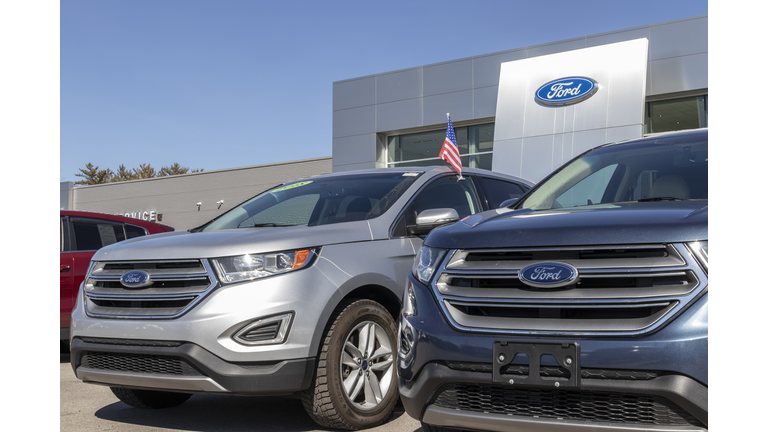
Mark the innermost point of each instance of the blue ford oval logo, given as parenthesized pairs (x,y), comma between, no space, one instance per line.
(565,91)
(549,275)
(135,279)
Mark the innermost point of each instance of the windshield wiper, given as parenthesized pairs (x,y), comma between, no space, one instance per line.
(660,199)
(268,224)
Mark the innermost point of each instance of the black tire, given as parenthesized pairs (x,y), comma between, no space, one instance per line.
(327,400)
(149,398)
(430,428)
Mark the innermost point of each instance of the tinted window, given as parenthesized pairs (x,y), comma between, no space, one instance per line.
(93,234)
(444,192)
(133,231)
(588,191)
(498,191)
(665,167)
(62,234)
(319,201)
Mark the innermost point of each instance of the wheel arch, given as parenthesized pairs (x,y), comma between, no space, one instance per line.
(378,293)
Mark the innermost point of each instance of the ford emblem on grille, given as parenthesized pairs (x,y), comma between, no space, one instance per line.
(566,91)
(135,279)
(549,275)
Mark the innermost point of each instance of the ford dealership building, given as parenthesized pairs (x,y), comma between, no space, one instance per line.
(523,112)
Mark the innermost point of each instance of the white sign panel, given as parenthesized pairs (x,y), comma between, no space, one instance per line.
(554,107)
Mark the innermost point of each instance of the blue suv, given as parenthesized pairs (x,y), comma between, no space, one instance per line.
(582,306)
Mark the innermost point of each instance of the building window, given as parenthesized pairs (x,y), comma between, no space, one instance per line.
(423,149)
(676,114)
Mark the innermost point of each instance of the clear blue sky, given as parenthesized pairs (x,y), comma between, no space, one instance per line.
(222,84)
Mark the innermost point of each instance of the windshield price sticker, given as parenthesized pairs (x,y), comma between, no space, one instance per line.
(291,186)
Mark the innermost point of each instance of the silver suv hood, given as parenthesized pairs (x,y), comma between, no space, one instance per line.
(187,245)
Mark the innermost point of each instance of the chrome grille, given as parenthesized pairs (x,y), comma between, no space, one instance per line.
(622,290)
(176,287)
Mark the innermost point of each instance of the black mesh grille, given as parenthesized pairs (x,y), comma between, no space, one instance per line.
(569,405)
(138,363)
(554,371)
(143,304)
(262,333)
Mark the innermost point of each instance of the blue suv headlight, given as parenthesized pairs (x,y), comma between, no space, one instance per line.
(426,263)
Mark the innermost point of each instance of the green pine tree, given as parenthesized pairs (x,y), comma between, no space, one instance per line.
(93,175)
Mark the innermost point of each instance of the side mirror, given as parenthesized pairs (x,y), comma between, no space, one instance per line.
(430,219)
(509,202)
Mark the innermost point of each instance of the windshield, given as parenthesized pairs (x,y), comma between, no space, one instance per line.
(659,168)
(321,201)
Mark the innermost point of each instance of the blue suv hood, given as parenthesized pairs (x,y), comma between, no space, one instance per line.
(602,224)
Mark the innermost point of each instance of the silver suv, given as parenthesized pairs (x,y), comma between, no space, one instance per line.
(294,291)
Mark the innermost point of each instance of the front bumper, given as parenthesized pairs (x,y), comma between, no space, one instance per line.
(439,360)
(182,367)
(212,323)
(147,353)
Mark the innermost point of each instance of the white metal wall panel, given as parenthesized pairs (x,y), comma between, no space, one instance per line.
(349,151)
(620,71)
(448,77)
(354,121)
(679,74)
(399,86)
(484,102)
(459,104)
(400,114)
(354,93)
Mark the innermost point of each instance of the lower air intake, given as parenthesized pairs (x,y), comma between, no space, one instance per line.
(569,405)
(138,363)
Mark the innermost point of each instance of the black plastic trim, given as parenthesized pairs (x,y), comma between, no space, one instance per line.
(252,378)
(686,392)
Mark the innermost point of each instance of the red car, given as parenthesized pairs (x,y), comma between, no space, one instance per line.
(82,234)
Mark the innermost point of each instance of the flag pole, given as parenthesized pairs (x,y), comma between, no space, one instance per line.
(460,177)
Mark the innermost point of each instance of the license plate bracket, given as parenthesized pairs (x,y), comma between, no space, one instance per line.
(566,375)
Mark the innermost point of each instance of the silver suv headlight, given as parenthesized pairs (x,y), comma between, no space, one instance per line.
(254,266)
(426,262)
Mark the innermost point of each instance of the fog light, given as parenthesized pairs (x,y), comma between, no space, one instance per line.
(265,331)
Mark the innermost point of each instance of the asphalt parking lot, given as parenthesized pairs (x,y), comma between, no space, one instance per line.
(85,407)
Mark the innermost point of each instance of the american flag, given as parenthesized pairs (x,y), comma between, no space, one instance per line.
(450,151)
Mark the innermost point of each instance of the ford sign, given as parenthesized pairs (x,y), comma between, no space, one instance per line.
(566,91)
(548,275)
(135,279)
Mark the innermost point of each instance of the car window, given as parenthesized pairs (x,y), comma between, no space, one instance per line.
(93,234)
(133,231)
(62,234)
(588,191)
(319,201)
(444,192)
(497,191)
(656,168)
(293,211)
